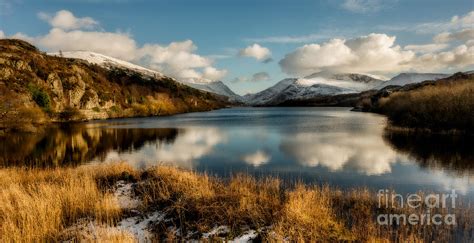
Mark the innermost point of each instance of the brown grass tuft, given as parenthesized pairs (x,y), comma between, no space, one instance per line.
(308,216)
(36,205)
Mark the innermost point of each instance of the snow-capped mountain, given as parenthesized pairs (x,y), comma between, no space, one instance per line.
(318,84)
(216,87)
(108,62)
(411,78)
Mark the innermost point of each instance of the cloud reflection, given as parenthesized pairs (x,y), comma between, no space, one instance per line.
(188,146)
(257,159)
(367,154)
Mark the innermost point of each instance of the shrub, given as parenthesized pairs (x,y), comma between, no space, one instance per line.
(71,114)
(40,96)
(115,109)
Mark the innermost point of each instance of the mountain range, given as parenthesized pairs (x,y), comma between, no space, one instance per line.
(320,84)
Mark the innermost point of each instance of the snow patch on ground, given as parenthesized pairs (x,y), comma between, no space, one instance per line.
(248,236)
(216,231)
(138,226)
(123,194)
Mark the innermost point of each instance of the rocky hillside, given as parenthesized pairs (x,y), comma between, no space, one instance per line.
(38,88)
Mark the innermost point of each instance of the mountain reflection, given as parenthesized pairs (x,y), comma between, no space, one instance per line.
(74,144)
(442,152)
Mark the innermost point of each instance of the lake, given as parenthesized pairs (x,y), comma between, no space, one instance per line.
(315,145)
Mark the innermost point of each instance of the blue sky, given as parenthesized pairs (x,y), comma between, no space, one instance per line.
(221,29)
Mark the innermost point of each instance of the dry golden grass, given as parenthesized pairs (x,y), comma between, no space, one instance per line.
(97,233)
(49,205)
(440,107)
(308,216)
(36,205)
(197,203)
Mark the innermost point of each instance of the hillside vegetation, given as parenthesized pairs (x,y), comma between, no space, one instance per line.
(438,106)
(37,88)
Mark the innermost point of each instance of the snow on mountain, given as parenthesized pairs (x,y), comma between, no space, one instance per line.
(216,87)
(322,83)
(411,78)
(108,62)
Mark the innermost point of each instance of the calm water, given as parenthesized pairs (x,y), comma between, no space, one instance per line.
(315,145)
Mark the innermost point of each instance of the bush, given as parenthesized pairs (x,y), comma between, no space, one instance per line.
(115,109)
(70,114)
(40,96)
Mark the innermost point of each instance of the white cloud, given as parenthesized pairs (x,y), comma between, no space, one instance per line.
(365,54)
(311,58)
(119,45)
(362,6)
(256,51)
(462,35)
(212,73)
(67,21)
(177,59)
(375,53)
(456,23)
(459,57)
(257,159)
(2,35)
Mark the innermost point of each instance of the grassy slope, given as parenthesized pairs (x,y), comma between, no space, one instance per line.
(38,205)
(35,87)
(447,104)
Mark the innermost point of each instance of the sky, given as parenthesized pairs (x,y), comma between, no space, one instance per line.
(252,44)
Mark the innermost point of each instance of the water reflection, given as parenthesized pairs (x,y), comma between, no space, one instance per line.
(440,152)
(329,145)
(74,144)
(257,159)
(186,148)
(364,153)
